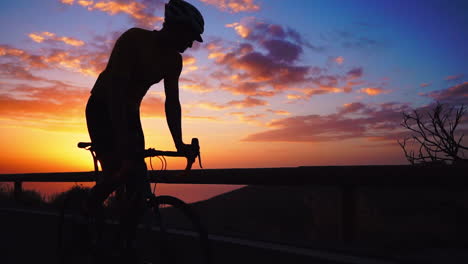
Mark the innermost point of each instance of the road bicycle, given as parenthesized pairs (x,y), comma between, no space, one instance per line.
(101,238)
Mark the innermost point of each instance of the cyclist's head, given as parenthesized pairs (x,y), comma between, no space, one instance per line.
(184,19)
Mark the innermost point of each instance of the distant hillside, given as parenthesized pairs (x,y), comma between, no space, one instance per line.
(272,213)
(307,215)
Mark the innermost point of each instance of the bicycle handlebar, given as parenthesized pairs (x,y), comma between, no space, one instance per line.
(154,152)
(190,158)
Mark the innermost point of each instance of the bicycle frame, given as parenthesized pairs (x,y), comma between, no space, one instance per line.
(152,201)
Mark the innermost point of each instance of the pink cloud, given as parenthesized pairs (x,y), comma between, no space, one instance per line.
(267,62)
(352,108)
(255,30)
(371,122)
(355,73)
(13,71)
(248,118)
(282,50)
(248,88)
(454,77)
(457,94)
(245,103)
(424,85)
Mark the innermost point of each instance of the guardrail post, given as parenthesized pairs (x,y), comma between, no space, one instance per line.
(18,189)
(348,212)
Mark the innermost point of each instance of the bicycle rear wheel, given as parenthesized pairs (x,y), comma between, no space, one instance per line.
(186,241)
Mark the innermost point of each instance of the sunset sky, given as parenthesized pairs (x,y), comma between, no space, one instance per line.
(275,84)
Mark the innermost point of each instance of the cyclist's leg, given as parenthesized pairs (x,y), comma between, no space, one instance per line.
(100,131)
(106,185)
(137,185)
(137,188)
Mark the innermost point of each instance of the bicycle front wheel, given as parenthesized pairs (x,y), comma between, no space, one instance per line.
(181,236)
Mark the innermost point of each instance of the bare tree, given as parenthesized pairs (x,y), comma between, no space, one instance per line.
(434,138)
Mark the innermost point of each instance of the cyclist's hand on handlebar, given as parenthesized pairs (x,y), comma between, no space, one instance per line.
(187,150)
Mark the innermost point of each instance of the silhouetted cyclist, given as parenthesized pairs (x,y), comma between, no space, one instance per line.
(139,59)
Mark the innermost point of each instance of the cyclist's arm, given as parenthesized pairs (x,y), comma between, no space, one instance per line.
(121,63)
(172,104)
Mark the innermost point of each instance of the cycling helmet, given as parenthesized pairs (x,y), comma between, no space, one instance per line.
(179,11)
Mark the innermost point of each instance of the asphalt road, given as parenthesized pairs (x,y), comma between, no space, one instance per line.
(28,237)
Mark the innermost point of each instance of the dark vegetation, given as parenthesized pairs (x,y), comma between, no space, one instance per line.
(29,198)
(34,199)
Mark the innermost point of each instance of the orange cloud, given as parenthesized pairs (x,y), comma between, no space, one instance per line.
(7,51)
(278,112)
(249,118)
(189,64)
(215,50)
(196,88)
(87,64)
(241,30)
(82,61)
(216,55)
(152,106)
(234,6)
(35,104)
(44,36)
(209,118)
(189,60)
(372,91)
(247,102)
(308,92)
(58,106)
(210,106)
(212,46)
(339,60)
(85,3)
(296,97)
(139,12)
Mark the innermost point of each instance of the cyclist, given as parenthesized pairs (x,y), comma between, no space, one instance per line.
(139,59)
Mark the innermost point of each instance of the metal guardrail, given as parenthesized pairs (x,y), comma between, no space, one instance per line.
(347,178)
